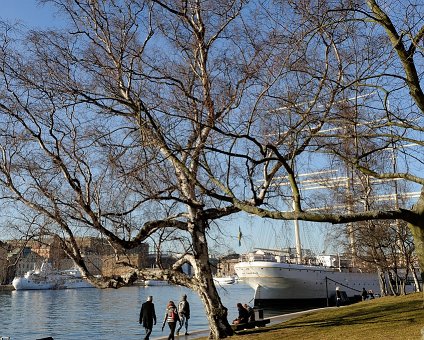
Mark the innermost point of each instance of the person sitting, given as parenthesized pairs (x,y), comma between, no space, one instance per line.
(243,316)
(338,297)
(251,312)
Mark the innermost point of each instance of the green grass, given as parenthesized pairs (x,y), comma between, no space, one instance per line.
(400,317)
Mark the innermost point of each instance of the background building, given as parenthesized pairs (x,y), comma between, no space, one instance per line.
(18,257)
(225,265)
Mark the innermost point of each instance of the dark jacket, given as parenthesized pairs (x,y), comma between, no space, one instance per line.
(251,313)
(147,314)
(243,316)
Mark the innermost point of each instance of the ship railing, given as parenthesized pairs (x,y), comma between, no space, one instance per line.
(339,284)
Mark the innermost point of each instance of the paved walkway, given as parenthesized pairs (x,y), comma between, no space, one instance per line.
(273,320)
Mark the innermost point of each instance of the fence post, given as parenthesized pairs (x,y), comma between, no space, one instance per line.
(326,289)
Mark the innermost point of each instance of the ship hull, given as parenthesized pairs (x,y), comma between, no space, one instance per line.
(290,285)
(28,284)
(156,283)
(224,280)
(46,278)
(22,283)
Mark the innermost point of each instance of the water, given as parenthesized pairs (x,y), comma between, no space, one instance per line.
(101,314)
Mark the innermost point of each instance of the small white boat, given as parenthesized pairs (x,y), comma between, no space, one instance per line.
(156,283)
(48,278)
(227,280)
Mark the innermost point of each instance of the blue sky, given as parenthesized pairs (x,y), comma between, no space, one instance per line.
(27,12)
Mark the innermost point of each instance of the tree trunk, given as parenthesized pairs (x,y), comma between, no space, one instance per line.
(215,311)
(414,275)
(418,234)
(382,281)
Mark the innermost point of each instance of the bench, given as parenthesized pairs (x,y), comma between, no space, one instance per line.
(250,325)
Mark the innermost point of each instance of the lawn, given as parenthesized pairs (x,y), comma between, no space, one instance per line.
(392,317)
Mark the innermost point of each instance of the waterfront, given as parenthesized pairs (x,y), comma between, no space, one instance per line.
(100,314)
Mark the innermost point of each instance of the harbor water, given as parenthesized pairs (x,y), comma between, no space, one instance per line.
(107,314)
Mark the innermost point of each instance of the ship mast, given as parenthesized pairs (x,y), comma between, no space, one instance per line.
(297,239)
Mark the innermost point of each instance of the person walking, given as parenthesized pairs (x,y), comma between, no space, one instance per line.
(148,316)
(184,314)
(171,317)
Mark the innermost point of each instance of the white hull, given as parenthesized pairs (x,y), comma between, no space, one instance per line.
(156,283)
(46,278)
(22,283)
(224,280)
(284,281)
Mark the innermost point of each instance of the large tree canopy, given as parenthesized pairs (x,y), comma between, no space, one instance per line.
(153,119)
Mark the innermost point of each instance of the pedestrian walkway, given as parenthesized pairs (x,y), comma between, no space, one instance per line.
(196,334)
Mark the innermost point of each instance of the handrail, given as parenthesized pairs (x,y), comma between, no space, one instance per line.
(338,283)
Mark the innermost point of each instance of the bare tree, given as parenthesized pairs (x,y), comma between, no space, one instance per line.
(153,112)
(109,127)
(155,118)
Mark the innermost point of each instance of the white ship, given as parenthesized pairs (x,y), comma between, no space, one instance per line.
(47,278)
(278,283)
(312,280)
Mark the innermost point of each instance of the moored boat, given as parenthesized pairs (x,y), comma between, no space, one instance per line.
(48,278)
(298,285)
(227,280)
(156,283)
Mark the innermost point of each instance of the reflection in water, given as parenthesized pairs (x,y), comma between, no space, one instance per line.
(100,314)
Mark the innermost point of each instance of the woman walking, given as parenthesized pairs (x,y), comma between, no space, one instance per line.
(171,317)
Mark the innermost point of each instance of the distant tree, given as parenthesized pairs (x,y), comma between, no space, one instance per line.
(376,113)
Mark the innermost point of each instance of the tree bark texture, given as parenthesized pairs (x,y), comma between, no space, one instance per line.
(418,234)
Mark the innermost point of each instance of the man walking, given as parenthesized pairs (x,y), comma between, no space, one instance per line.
(183,313)
(148,316)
